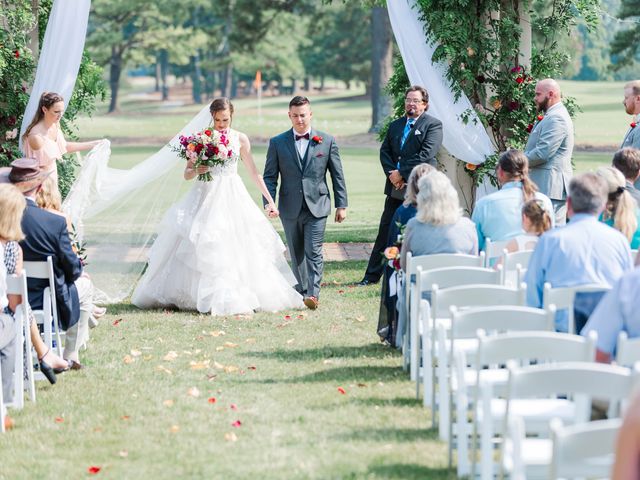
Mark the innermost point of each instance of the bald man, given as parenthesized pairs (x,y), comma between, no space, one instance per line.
(550,147)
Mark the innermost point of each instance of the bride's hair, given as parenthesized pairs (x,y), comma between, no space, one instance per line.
(219,104)
(47,99)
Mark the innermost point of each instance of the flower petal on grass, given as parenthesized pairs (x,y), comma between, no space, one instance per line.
(212,400)
(174,428)
(342,391)
(233,406)
(58,419)
(168,403)
(230,437)
(93,469)
(236,424)
(193,392)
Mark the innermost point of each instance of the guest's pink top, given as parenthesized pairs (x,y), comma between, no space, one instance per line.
(50,151)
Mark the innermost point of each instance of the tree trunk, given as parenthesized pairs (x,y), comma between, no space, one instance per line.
(196,88)
(34,37)
(322,83)
(115,69)
(381,66)
(157,74)
(294,86)
(227,80)
(524,19)
(308,83)
(164,70)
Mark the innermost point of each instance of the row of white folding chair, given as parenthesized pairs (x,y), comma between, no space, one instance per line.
(493,250)
(462,339)
(627,350)
(564,297)
(584,450)
(429,262)
(444,278)
(480,391)
(17,285)
(424,344)
(525,457)
(48,315)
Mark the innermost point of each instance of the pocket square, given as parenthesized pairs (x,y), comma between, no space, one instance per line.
(418,132)
(320,155)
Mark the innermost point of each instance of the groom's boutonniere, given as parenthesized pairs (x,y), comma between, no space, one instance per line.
(633,124)
(317,139)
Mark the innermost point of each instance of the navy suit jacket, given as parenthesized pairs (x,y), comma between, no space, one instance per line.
(421,146)
(46,235)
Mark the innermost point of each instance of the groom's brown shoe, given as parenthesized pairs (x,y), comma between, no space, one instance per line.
(311,302)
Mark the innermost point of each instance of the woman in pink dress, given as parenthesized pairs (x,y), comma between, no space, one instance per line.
(43,138)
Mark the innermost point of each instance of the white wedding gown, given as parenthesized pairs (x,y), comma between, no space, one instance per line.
(217,253)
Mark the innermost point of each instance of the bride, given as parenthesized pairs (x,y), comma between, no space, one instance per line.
(216,251)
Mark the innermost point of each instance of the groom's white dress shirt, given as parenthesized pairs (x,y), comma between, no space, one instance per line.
(303,143)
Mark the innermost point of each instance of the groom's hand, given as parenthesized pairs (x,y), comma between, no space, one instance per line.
(341,214)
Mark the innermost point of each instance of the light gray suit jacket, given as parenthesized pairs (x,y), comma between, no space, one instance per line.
(304,179)
(549,151)
(632,138)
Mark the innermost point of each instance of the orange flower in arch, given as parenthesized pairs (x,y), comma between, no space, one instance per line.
(470,166)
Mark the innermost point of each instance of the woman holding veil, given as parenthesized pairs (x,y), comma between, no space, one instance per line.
(216,251)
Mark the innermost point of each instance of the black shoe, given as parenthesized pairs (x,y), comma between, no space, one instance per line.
(48,372)
(365,281)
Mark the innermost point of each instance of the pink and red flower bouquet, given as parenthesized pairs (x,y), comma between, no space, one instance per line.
(209,148)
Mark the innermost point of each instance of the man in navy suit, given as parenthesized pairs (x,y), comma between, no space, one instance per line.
(410,141)
(46,235)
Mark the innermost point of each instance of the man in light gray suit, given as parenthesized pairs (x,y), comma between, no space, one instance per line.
(631,104)
(550,147)
(301,158)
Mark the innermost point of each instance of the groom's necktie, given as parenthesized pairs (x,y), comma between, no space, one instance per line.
(407,129)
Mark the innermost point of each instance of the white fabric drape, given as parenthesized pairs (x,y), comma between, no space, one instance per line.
(467,142)
(60,55)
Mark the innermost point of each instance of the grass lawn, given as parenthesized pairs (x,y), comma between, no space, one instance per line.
(131,414)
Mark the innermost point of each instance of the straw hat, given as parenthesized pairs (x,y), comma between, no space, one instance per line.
(24,173)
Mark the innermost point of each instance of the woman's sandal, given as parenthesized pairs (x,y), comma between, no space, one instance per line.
(47,370)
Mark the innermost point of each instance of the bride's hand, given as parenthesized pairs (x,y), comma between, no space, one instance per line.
(272,211)
(202,169)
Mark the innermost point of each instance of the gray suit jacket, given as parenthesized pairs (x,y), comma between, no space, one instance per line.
(632,138)
(549,151)
(308,183)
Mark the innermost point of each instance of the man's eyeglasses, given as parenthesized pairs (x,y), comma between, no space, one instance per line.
(416,101)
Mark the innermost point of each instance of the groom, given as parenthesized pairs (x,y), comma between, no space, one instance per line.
(301,157)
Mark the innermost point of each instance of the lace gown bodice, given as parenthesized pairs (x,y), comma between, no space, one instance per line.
(231,166)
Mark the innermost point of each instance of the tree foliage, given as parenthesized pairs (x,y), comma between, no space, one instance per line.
(626,44)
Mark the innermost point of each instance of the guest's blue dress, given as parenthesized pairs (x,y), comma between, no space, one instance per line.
(387,318)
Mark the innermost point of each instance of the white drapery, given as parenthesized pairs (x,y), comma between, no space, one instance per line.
(61,54)
(468,142)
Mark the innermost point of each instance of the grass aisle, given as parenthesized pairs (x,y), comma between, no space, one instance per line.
(144,407)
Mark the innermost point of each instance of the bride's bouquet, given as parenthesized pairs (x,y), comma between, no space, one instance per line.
(207,148)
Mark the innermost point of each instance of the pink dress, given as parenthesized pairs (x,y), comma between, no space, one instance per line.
(50,151)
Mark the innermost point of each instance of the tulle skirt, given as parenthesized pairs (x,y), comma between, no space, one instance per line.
(217,253)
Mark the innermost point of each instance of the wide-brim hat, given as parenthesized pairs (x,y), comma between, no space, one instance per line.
(24,173)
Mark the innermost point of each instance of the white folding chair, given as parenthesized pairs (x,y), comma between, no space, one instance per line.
(459,349)
(525,457)
(444,278)
(564,297)
(48,316)
(584,450)
(17,285)
(493,353)
(465,296)
(510,263)
(627,350)
(493,250)
(429,262)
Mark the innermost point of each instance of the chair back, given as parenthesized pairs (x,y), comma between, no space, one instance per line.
(584,450)
(628,350)
(510,263)
(494,250)
(563,298)
(473,296)
(502,318)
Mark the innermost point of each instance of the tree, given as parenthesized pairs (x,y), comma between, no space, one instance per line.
(381,65)
(626,44)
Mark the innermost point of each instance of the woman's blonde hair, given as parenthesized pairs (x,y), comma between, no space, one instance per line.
(48,197)
(620,204)
(419,171)
(12,205)
(438,202)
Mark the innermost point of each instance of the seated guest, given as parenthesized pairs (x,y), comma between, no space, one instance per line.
(535,221)
(438,227)
(46,235)
(498,216)
(387,320)
(627,160)
(48,198)
(584,252)
(12,206)
(621,211)
(617,312)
